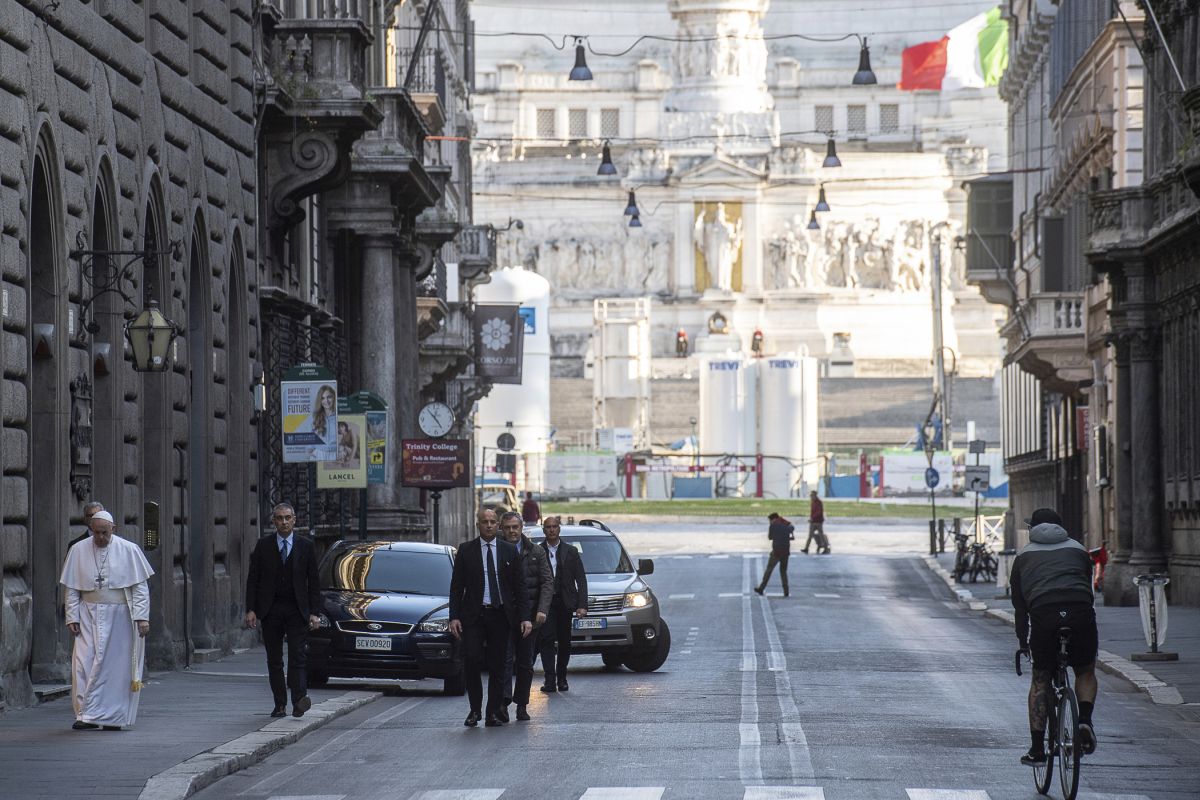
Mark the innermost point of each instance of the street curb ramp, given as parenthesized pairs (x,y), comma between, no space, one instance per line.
(1160,692)
(200,771)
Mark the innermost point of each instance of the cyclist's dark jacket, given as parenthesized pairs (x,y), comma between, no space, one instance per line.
(780,533)
(1052,569)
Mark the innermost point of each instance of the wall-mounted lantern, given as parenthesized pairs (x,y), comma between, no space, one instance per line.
(151,335)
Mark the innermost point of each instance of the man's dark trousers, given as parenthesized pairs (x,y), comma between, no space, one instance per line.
(779,557)
(487,634)
(523,656)
(284,620)
(556,635)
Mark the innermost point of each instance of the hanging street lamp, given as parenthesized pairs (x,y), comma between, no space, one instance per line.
(580,71)
(635,221)
(607,167)
(631,210)
(831,156)
(813,225)
(150,337)
(821,204)
(865,75)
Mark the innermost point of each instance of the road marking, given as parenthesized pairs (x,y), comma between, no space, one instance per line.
(799,756)
(685,652)
(681,596)
(680,556)
(784,793)
(749,748)
(308,797)
(459,794)
(328,751)
(1104,796)
(733,594)
(624,793)
(827,595)
(947,794)
(720,555)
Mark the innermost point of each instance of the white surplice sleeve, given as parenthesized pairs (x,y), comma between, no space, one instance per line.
(74,598)
(139,601)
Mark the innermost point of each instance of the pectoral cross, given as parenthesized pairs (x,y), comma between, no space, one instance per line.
(99,580)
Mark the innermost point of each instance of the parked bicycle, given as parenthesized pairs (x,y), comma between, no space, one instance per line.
(1062,727)
(974,560)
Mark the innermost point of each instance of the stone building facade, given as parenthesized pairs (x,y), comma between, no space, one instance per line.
(264,169)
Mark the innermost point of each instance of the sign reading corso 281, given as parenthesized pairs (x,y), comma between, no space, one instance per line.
(435,463)
(499,333)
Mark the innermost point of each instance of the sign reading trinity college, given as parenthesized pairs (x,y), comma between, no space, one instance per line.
(435,463)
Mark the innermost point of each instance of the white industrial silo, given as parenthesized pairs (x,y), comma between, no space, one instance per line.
(526,405)
(787,386)
(723,409)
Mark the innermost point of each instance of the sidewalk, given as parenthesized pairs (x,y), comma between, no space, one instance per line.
(183,715)
(1120,628)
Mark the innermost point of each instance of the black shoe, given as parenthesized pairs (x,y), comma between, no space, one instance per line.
(501,714)
(1087,738)
(562,685)
(279,711)
(1034,758)
(825,552)
(522,714)
(549,688)
(785,593)
(112,727)
(758,590)
(80,725)
(301,705)
(493,721)
(472,719)
(805,551)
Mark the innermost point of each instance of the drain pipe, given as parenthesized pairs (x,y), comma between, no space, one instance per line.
(183,561)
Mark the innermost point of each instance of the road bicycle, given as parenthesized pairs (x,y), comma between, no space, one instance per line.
(1062,727)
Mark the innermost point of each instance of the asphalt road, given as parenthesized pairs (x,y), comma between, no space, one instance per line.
(868,682)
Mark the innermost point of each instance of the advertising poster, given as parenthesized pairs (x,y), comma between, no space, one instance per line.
(499,333)
(435,463)
(349,469)
(377,434)
(309,409)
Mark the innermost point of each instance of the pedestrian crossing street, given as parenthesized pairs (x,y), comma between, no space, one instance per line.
(657,792)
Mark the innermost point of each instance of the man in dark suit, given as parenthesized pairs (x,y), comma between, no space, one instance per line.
(569,601)
(486,603)
(284,593)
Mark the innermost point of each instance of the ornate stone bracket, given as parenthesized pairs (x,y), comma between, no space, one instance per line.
(308,163)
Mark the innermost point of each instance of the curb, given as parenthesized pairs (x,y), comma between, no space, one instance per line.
(1160,692)
(200,771)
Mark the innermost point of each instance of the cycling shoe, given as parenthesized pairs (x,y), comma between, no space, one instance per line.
(1033,759)
(1087,738)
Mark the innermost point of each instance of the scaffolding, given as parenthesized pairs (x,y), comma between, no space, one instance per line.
(621,367)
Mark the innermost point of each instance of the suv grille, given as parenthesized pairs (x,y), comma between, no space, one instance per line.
(365,626)
(607,604)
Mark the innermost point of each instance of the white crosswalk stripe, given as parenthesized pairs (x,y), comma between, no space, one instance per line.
(729,594)
(947,794)
(827,595)
(308,797)
(459,794)
(784,793)
(1106,796)
(624,793)
(691,596)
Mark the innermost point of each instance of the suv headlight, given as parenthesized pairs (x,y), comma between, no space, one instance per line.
(434,625)
(637,599)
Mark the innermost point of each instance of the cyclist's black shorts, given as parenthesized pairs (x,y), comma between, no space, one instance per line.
(1044,622)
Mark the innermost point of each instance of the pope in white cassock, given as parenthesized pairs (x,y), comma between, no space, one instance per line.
(108,599)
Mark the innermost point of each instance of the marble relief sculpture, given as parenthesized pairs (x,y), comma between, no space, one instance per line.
(592,260)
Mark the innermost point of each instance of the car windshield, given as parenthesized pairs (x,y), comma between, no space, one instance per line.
(601,554)
(377,569)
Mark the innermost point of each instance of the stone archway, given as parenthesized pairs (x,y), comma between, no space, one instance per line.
(242,536)
(108,373)
(197,508)
(49,421)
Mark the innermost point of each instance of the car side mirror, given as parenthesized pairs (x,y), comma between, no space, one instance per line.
(645,566)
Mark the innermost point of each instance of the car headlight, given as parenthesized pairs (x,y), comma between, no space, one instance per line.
(434,625)
(323,621)
(637,599)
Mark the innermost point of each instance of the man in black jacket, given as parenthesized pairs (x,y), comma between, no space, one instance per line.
(538,585)
(1051,583)
(780,532)
(284,593)
(486,603)
(569,601)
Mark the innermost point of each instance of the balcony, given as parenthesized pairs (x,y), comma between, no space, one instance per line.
(475,249)
(1052,328)
(394,153)
(446,354)
(314,107)
(1118,221)
(989,239)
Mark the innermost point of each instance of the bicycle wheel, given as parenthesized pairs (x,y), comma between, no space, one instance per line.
(1043,775)
(1068,744)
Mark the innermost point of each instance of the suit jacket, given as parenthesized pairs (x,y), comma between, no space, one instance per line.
(467,579)
(570,580)
(266,569)
(539,580)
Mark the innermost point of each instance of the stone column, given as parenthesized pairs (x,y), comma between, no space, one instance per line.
(378,337)
(1146,462)
(1118,588)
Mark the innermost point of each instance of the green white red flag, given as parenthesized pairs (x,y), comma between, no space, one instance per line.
(970,56)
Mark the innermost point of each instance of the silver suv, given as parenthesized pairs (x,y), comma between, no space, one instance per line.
(623,624)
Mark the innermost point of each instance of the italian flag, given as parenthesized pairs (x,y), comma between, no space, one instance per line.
(971,56)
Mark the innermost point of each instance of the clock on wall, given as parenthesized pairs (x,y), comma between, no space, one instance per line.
(435,420)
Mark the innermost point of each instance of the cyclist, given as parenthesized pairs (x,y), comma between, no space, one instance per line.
(1051,583)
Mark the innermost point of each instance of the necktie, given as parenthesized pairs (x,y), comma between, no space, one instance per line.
(283,550)
(493,585)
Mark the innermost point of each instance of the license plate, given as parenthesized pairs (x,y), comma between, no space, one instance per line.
(590,623)
(372,643)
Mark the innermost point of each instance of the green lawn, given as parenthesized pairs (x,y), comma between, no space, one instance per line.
(751,507)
